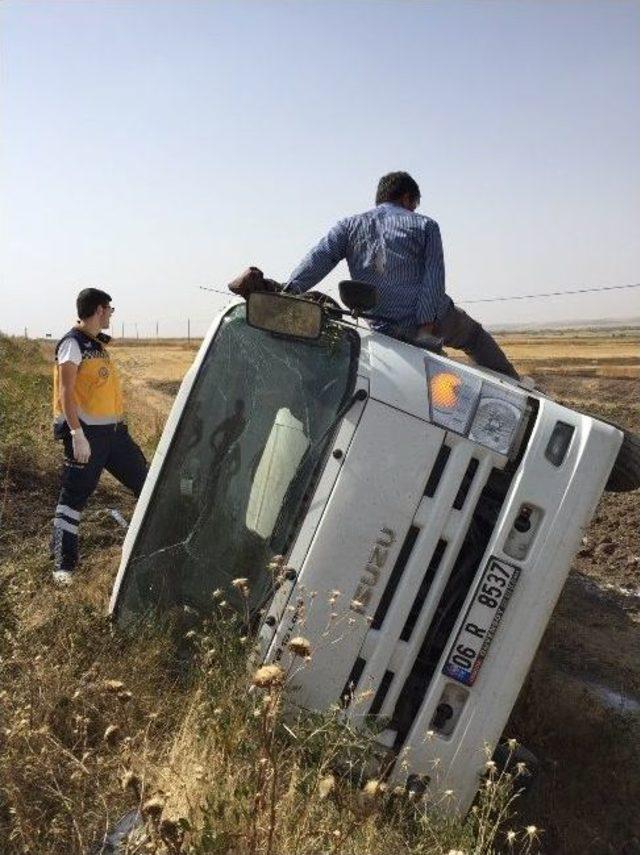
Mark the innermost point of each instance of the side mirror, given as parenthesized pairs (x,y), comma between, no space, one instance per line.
(284,315)
(359,297)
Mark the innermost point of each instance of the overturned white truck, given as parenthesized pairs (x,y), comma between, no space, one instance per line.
(428,512)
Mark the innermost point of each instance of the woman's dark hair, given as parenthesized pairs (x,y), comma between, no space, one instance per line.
(90,299)
(394,186)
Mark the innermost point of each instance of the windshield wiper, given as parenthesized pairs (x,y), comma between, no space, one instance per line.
(358,395)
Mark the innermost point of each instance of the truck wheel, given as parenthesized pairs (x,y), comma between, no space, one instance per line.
(508,760)
(625,474)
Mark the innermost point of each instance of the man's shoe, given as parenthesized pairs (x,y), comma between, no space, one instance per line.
(64,578)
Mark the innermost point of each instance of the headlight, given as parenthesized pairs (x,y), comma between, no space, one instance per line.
(496,422)
(463,403)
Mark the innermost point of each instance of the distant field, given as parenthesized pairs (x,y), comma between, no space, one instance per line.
(580,352)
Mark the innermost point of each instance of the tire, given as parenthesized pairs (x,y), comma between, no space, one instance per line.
(625,474)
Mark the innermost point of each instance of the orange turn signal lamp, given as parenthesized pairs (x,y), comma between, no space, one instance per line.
(443,389)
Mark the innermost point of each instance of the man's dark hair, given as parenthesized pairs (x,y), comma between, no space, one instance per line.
(394,186)
(90,299)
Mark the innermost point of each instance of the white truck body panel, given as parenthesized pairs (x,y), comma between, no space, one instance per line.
(340,552)
(378,513)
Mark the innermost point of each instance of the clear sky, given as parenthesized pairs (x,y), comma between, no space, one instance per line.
(151,147)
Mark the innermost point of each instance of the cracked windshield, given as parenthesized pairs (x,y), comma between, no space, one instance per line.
(243,457)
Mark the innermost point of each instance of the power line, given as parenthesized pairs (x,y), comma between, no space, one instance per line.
(226,293)
(153,324)
(503,299)
(549,294)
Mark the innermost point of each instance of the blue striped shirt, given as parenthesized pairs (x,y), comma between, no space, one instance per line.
(397,250)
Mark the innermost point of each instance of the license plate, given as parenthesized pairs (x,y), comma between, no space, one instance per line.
(481,621)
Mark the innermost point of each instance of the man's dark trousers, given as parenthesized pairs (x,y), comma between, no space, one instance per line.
(461,331)
(112,449)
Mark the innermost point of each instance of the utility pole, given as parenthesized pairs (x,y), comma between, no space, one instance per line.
(156,330)
(136,326)
(122,330)
(188,330)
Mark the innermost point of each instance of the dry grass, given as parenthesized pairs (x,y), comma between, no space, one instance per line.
(245,775)
(94,723)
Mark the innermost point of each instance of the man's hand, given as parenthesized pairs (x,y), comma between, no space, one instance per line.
(325,300)
(252,280)
(81,447)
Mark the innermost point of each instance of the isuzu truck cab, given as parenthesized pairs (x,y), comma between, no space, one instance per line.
(427,512)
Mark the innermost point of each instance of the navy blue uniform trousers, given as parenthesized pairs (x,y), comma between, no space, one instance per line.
(113,449)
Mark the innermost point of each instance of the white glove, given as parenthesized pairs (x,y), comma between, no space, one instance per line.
(81,447)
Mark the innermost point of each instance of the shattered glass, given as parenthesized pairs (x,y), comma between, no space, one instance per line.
(241,463)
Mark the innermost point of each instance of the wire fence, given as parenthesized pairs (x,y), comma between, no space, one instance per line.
(189,329)
(182,328)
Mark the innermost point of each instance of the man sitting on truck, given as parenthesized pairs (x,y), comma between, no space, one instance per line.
(400,252)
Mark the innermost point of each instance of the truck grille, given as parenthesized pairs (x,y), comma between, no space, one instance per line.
(460,580)
(447,538)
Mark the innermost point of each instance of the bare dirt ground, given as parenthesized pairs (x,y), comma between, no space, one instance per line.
(579,710)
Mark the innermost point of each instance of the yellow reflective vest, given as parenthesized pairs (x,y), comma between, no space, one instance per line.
(97,392)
